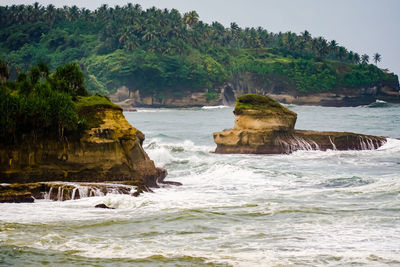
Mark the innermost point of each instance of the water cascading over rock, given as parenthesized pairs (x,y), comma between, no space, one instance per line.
(263,126)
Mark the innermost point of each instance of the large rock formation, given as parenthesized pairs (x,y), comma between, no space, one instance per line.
(110,151)
(263,126)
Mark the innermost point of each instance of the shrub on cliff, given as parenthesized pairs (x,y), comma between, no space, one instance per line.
(41,105)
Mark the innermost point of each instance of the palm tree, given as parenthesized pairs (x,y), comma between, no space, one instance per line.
(234,31)
(356,58)
(306,36)
(341,52)
(332,45)
(320,45)
(377,58)
(364,59)
(191,18)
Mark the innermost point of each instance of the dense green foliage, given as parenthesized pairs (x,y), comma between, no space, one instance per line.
(39,104)
(155,50)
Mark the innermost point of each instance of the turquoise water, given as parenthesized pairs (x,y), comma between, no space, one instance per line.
(308,208)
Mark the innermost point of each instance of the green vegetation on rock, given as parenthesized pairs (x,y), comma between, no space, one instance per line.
(258,102)
(157,50)
(39,104)
(95,101)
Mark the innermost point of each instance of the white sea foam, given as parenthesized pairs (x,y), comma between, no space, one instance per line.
(308,208)
(392,145)
(154,110)
(215,107)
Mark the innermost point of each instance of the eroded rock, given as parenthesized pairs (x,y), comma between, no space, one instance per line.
(109,152)
(263,126)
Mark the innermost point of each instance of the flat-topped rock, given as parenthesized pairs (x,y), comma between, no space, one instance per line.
(263,126)
(255,112)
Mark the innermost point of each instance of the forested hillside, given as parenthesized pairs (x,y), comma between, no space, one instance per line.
(155,50)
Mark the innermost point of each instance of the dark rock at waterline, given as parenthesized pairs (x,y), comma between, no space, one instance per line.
(263,126)
(172,183)
(21,193)
(103,206)
(61,191)
(17,197)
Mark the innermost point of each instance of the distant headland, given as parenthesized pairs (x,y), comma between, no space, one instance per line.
(162,58)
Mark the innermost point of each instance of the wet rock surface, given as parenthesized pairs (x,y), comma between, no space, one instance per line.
(103,206)
(62,191)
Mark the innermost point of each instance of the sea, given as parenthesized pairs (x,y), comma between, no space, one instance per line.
(309,208)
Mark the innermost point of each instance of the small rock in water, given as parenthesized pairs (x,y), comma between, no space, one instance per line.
(103,206)
(172,183)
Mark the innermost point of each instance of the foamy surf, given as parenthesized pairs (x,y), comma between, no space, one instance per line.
(215,107)
(308,208)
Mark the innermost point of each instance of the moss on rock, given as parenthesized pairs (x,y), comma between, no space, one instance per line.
(259,103)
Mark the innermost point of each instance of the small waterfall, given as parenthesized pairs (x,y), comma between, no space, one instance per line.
(59,197)
(294,143)
(83,191)
(333,144)
(47,195)
(291,143)
(73,191)
(368,144)
(316,145)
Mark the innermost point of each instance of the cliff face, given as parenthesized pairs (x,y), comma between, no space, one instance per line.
(112,151)
(275,86)
(128,100)
(263,126)
(284,91)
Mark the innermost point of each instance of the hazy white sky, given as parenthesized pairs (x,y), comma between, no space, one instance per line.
(364,26)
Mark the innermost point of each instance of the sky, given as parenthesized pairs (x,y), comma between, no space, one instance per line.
(363,26)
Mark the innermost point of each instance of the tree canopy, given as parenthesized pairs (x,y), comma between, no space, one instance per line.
(160,49)
(35,105)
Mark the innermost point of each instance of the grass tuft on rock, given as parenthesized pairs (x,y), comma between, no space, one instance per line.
(95,101)
(258,102)
(88,109)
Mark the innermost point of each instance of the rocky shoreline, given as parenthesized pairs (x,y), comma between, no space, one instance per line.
(249,83)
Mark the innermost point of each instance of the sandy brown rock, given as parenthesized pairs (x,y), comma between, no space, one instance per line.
(110,152)
(269,129)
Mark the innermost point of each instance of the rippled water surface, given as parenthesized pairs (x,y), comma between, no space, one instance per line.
(308,208)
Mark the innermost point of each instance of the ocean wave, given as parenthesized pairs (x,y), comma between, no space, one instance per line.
(215,107)
(154,110)
(378,104)
(392,145)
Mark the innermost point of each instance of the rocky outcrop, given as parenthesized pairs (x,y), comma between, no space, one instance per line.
(111,151)
(263,126)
